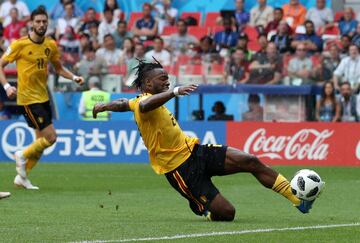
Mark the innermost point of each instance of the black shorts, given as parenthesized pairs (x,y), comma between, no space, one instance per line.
(192,179)
(38,115)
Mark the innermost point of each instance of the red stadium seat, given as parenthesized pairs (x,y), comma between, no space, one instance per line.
(210,19)
(217,69)
(254,45)
(169,30)
(251,32)
(216,28)
(334,30)
(198,31)
(117,69)
(134,16)
(195,15)
(338,16)
(194,69)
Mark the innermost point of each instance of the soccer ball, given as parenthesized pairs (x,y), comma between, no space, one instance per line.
(306,184)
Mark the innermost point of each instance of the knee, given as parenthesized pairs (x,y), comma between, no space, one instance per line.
(229,213)
(51,138)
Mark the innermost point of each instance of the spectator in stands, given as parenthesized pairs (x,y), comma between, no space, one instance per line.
(300,67)
(12,30)
(267,69)
(89,18)
(165,14)
(348,103)
(4,43)
(84,40)
(5,8)
(146,27)
(219,109)
(109,53)
(91,97)
(356,38)
(108,24)
(241,16)
(68,20)
(349,68)
(58,10)
(313,43)
(226,38)
(324,70)
(256,111)
(242,44)
(272,27)
(159,53)
(283,38)
(207,52)
(127,51)
(320,15)
(114,7)
(294,13)
(5,114)
(94,36)
(181,42)
(70,46)
(139,54)
(348,24)
(261,15)
(238,67)
(90,65)
(24,31)
(263,42)
(327,107)
(121,33)
(345,44)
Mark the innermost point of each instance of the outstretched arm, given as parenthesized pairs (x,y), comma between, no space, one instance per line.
(10,90)
(119,105)
(158,100)
(64,72)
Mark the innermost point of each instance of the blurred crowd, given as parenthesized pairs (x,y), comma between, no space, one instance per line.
(288,45)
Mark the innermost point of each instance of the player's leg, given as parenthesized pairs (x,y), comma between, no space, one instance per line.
(238,161)
(39,117)
(221,209)
(31,162)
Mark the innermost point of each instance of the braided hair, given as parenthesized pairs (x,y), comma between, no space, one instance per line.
(142,69)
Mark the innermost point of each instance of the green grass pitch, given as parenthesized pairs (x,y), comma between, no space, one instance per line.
(114,202)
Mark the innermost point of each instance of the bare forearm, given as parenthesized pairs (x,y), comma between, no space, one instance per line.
(3,79)
(64,72)
(119,105)
(156,101)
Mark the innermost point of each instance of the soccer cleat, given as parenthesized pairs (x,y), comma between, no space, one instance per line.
(207,215)
(4,195)
(305,206)
(24,183)
(20,164)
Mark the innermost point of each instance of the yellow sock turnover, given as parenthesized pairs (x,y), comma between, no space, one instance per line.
(282,186)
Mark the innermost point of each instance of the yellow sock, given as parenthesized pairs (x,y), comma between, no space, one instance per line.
(282,186)
(31,162)
(35,149)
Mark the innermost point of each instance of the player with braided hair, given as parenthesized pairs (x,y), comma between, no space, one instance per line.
(187,165)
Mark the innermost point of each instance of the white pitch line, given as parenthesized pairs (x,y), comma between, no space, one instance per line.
(241,232)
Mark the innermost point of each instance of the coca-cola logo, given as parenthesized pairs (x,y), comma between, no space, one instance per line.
(358,151)
(306,144)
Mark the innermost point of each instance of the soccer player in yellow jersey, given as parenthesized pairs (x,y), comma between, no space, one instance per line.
(32,55)
(187,165)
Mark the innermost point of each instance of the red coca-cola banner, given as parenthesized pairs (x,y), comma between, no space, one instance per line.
(298,143)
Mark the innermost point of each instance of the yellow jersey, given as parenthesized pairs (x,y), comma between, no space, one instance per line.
(32,61)
(167,144)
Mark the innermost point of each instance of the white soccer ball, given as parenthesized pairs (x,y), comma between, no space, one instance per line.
(306,184)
